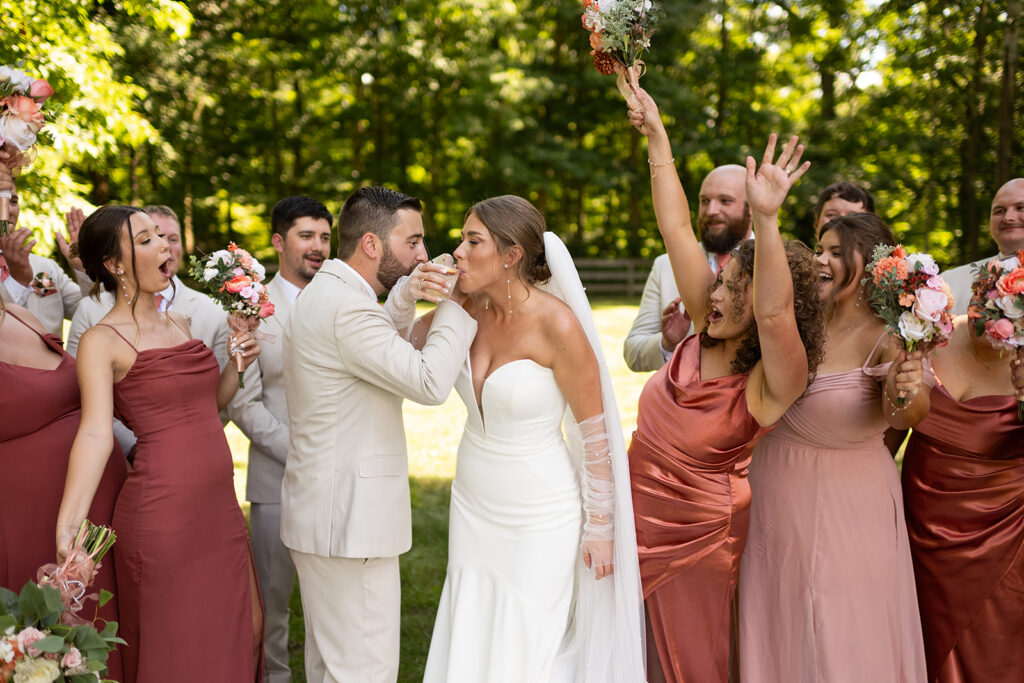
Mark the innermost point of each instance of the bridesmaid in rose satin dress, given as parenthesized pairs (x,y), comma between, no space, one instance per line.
(190,607)
(40,410)
(700,415)
(963,484)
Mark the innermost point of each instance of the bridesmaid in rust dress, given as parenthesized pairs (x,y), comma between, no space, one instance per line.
(700,415)
(40,410)
(963,484)
(190,608)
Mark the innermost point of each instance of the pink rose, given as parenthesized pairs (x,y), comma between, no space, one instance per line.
(266,309)
(26,638)
(72,659)
(1001,329)
(238,271)
(930,304)
(237,284)
(245,258)
(40,90)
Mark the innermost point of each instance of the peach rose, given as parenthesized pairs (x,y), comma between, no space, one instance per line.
(238,283)
(1012,283)
(266,309)
(25,108)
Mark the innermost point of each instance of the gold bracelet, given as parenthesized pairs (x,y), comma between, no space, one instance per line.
(655,167)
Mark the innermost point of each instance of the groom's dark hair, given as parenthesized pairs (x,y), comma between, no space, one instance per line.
(370,209)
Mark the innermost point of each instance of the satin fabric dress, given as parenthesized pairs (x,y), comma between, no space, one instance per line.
(826,584)
(39,415)
(185,564)
(513,535)
(688,465)
(963,478)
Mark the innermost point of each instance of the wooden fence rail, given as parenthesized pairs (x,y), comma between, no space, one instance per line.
(622,277)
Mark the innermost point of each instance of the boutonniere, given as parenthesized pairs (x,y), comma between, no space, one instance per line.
(43,285)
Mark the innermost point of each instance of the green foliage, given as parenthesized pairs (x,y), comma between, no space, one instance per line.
(219,108)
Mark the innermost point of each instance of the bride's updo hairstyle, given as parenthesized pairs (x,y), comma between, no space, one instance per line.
(512,220)
(100,239)
(808,308)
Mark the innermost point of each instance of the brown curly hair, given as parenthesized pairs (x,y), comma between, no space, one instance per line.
(807,306)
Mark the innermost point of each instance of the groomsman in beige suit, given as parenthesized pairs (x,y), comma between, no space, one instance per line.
(301,234)
(19,267)
(345,511)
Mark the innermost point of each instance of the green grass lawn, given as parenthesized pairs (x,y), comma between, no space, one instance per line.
(433,437)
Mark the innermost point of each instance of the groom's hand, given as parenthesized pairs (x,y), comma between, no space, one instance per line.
(427,283)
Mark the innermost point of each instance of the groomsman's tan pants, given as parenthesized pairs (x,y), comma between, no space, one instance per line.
(352,610)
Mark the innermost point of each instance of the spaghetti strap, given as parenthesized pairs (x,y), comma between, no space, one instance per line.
(12,314)
(876,371)
(187,333)
(120,335)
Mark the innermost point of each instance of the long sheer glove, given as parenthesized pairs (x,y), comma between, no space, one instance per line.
(598,497)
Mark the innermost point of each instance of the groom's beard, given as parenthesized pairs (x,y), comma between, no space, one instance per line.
(390,269)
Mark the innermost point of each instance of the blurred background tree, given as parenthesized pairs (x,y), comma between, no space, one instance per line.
(220,107)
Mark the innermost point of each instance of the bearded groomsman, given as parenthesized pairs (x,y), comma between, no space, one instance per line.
(301,234)
(724,221)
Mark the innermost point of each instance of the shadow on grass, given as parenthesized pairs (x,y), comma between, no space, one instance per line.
(423,570)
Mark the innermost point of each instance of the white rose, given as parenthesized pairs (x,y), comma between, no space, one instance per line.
(18,77)
(928,265)
(36,671)
(913,328)
(930,303)
(6,651)
(21,134)
(209,274)
(223,256)
(1008,305)
(607,6)
(260,271)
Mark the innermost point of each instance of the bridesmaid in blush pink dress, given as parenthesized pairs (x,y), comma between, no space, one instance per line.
(190,607)
(963,478)
(826,583)
(700,415)
(40,410)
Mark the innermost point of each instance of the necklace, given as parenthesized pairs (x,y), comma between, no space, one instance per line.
(843,332)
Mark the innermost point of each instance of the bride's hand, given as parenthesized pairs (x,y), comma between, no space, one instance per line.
(646,119)
(599,555)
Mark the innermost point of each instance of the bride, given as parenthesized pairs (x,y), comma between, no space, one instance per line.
(542,582)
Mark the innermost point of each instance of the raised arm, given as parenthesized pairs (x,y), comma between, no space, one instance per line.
(693,277)
(781,376)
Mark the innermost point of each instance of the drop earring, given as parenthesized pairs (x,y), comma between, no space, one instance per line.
(508,283)
(124,286)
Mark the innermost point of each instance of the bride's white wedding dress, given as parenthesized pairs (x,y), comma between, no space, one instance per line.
(514,533)
(518,604)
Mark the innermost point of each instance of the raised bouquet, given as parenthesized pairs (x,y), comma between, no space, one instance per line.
(620,33)
(997,306)
(233,279)
(42,637)
(21,120)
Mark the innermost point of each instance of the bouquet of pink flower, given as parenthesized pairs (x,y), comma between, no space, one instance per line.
(42,637)
(620,32)
(21,119)
(907,292)
(233,279)
(997,306)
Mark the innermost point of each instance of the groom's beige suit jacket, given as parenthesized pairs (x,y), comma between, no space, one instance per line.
(347,368)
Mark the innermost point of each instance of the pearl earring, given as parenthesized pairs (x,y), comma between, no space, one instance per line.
(124,286)
(508,284)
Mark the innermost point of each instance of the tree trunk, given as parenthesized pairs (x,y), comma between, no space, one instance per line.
(1011,44)
(972,145)
(723,70)
(298,164)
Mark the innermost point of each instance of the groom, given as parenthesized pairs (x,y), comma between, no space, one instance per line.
(345,511)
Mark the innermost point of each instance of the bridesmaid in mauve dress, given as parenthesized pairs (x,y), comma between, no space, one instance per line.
(826,583)
(700,415)
(963,481)
(40,410)
(190,608)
